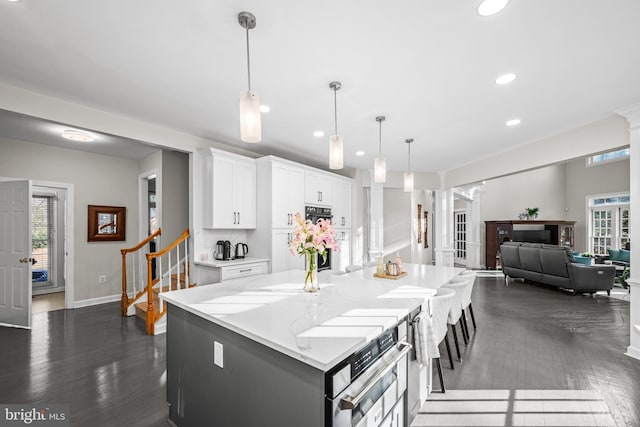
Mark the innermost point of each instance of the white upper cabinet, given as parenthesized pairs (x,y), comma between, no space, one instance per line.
(230,192)
(287,193)
(341,203)
(317,189)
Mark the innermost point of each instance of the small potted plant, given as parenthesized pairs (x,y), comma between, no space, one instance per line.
(532,213)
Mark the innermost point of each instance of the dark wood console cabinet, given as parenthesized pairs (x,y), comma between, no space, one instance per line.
(497,231)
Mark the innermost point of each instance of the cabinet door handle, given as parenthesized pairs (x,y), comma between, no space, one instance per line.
(238,218)
(234,217)
(245,270)
(342,220)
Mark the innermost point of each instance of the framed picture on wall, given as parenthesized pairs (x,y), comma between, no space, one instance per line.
(106,223)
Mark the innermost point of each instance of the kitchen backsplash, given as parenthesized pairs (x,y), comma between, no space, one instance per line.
(210,237)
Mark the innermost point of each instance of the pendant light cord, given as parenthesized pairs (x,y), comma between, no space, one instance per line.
(380,138)
(335,108)
(409,158)
(248,60)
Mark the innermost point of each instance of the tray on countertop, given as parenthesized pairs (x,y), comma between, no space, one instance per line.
(388,276)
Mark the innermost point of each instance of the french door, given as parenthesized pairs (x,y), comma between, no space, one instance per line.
(460,237)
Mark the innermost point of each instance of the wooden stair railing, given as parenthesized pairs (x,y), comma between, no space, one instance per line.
(178,281)
(125,300)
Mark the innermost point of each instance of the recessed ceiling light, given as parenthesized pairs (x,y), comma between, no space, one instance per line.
(265,108)
(76,135)
(14,1)
(505,78)
(491,7)
(359,153)
(318,134)
(513,122)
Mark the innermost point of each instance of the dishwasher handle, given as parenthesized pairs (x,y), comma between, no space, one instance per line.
(350,402)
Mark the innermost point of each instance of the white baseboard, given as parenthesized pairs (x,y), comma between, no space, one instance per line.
(96,301)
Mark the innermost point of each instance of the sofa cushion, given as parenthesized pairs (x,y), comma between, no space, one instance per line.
(509,255)
(585,260)
(614,254)
(624,255)
(530,258)
(554,261)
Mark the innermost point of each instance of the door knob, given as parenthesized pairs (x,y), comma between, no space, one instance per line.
(31,260)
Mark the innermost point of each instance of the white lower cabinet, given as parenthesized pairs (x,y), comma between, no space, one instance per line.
(281,258)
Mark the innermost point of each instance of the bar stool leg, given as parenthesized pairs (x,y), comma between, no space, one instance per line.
(446,341)
(473,319)
(455,340)
(439,366)
(465,329)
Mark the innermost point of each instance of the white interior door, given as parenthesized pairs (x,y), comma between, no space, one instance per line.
(15,253)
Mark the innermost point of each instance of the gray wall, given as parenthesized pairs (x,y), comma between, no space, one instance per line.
(175,195)
(97,180)
(583,181)
(397,224)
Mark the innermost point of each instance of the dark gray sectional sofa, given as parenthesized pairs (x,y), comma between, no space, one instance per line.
(554,266)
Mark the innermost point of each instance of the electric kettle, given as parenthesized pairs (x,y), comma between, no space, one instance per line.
(241,250)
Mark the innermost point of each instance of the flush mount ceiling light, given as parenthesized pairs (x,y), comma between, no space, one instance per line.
(250,120)
(491,7)
(505,79)
(76,135)
(359,153)
(513,122)
(336,147)
(318,134)
(379,165)
(408,176)
(265,108)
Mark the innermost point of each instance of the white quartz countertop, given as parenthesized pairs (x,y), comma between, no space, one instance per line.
(319,329)
(220,263)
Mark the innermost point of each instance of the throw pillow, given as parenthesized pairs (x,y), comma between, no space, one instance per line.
(614,254)
(624,255)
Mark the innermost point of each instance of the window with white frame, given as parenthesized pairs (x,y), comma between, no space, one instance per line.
(608,157)
(608,217)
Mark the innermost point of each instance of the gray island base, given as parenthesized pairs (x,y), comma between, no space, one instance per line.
(260,352)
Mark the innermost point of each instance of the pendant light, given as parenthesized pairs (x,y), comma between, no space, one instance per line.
(379,165)
(250,120)
(408,176)
(336,147)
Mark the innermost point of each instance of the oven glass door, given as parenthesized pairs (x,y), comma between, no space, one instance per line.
(371,406)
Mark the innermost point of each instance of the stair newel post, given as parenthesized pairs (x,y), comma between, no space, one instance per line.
(124,300)
(150,314)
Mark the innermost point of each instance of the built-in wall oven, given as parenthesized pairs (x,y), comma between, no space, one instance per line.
(314,213)
(368,388)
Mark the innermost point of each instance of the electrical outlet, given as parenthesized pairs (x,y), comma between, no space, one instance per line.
(102,279)
(218,358)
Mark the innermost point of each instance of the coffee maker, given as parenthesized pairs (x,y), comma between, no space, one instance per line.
(223,250)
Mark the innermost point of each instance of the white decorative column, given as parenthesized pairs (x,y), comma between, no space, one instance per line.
(473,230)
(632,114)
(376,225)
(444,224)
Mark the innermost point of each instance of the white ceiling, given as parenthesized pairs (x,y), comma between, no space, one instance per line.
(428,66)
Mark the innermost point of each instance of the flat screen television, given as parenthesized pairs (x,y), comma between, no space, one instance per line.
(532,236)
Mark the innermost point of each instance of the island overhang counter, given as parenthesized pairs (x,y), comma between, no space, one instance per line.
(257,351)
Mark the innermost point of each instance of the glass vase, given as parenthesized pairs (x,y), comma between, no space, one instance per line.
(311,278)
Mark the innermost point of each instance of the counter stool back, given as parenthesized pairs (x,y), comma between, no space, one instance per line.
(455,314)
(466,297)
(350,268)
(440,308)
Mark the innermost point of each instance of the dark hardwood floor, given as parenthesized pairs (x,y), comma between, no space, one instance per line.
(103,366)
(112,374)
(533,337)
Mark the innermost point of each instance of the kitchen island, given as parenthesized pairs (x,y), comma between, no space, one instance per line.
(257,351)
